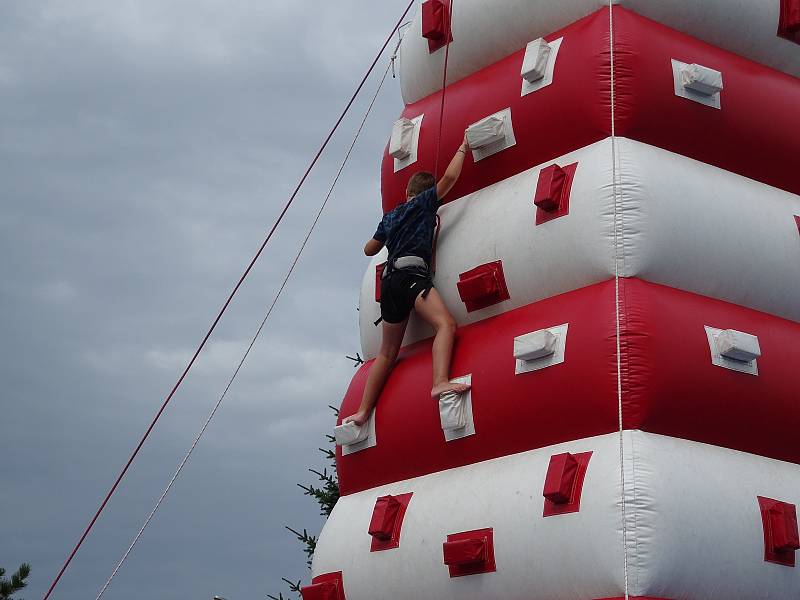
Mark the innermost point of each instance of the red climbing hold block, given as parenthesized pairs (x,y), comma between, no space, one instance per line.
(550,188)
(465,552)
(320,591)
(563,483)
(781,540)
(789,25)
(328,586)
(387,521)
(436,24)
(384,515)
(483,286)
(552,192)
(560,479)
(469,552)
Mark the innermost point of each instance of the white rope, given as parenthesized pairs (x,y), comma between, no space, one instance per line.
(617,235)
(252,342)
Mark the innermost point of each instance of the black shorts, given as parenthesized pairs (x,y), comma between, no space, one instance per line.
(399,291)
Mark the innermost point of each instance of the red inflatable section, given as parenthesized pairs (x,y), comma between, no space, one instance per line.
(754,134)
(571,113)
(670,386)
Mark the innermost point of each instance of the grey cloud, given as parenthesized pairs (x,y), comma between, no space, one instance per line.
(145,148)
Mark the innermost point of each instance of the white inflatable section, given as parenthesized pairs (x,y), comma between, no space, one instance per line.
(693,521)
(746,27)
(535,556)
(684,224)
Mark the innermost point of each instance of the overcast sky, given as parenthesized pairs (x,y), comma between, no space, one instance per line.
(146,146)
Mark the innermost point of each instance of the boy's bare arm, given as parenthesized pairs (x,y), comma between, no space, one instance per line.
(372,247)
(453,170)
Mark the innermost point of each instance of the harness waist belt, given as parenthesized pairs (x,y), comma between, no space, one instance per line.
(408,262)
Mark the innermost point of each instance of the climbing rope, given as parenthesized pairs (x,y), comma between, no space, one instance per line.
(448,33)
(224,308)
(441,123)
(618,233)
(252,342)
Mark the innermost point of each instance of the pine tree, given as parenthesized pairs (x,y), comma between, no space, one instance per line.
(9,587)
(326,493)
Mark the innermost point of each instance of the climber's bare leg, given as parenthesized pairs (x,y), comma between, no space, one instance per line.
(434,311)
(391,340)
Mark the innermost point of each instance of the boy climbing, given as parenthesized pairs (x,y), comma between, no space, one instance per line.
(408,232)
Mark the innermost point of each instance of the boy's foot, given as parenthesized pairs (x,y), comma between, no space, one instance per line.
(358,418)
(446,386)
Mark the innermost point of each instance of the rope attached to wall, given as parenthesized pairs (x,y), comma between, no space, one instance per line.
(618,238)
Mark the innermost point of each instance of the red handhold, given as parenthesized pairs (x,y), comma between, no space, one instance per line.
(320,591)
(465,552)
(789,25)
(387,521)
(327,586)
(469,552)
(559,483)
(563,483)
(436,24)
(483,286)
(384,518)
(781,540)
(550,188)
(552,192)
(433,19)
(783,525)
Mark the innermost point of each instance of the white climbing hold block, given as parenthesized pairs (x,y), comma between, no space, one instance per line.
(405,136)
(350,433)
(486,131)
(354,438)
(738,345)
(534,64)
(697,83)
(455,412)
(402,138)
(538,60)
(535,345)
(452,411)
(491,135)
(540,349)
(701,79)
(728,344)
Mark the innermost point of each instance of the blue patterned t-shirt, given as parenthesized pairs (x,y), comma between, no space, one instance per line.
(408,229)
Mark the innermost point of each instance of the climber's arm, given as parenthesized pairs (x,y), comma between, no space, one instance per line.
(372,247)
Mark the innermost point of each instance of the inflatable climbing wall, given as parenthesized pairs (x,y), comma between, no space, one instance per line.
(622,255)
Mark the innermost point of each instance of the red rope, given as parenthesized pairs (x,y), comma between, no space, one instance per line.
(441,123)
(448,33)
(223,309)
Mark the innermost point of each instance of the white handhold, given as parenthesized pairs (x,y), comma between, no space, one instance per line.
(701,79)
(350,433)
(731,349)
(455,412)
(452,411)
(738,345)
(486,131)
(401,142)
(534,65)
(532,346)
(540,349)
(405,136)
